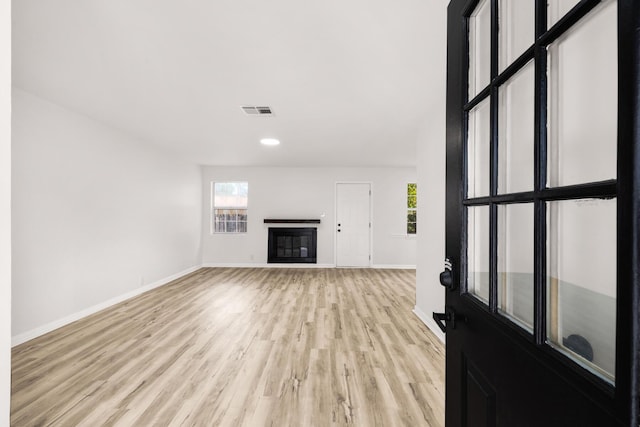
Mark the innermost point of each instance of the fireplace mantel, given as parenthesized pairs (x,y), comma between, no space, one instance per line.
(291,221)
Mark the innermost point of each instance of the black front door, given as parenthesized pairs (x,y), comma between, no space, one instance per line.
(543,213)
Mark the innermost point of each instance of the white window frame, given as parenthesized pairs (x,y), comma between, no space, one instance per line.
(409,210)
(215,208)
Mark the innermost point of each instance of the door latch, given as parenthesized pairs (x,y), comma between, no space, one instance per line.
(445,320)
(446,277)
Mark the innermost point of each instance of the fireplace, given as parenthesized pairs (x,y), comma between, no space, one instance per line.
(292,245)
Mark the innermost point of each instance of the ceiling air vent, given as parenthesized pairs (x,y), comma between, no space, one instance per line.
(257,111)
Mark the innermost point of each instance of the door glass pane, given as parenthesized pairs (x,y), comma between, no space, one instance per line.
(478,150)
(516,132)
(583,101)
(515,263)
(479,48)
(581,282)
(556,9)
(478,252)
(517,29)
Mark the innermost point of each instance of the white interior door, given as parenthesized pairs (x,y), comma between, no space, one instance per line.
(353,225)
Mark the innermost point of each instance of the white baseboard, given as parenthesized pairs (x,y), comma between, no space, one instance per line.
(429,323)
(265,265)
(394,266)
(41,330)
(285,265)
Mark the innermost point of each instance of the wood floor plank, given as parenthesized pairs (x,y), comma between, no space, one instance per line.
(241,347)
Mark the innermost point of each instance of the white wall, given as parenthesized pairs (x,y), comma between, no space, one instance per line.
(431,177)
(97,215)
(284,192)
(5,211)
(431,241)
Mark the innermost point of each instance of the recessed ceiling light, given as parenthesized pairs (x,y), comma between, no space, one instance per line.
(269,141)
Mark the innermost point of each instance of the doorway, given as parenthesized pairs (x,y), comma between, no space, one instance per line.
(353,224)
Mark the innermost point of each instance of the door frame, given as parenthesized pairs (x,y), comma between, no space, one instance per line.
(335,221)
(624,398)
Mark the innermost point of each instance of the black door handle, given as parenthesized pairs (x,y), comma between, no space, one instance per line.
(443,320)
(446,277)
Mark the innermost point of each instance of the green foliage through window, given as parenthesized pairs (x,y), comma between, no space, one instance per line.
(412,208)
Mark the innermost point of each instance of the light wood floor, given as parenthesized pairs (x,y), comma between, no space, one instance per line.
(241,347)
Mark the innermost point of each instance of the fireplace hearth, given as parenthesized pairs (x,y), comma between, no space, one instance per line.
(292,245)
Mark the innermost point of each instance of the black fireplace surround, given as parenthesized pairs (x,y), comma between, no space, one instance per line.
(292,245)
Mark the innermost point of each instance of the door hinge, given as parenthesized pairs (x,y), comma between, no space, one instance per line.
(369,257)
(369,192)
(369,225)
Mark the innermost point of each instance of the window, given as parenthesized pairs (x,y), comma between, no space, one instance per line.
(229,207)
(412,207)
(541,167)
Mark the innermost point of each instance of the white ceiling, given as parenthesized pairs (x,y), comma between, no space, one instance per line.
(349,80)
